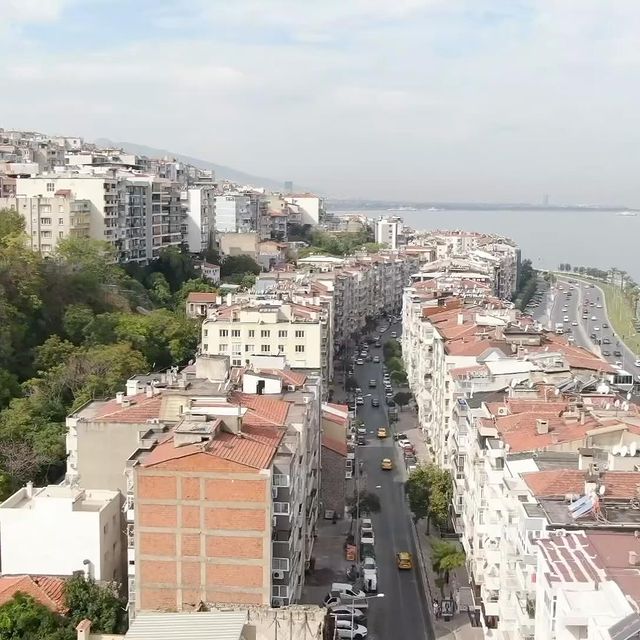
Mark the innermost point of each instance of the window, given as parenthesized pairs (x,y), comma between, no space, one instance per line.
(280,564)
(299,348)
(45,220)
(299,333)
(51,186)
(223,333)
(280,348)
(265,348)
(281,508)
(206,332)
(265,333)
(60,234)
(223,347)
(236,362)
(60,209)
(236,349)
(45,234)
(205,346)
(60,220)
(235,333)
(252,333)
(249,348)
(282,333)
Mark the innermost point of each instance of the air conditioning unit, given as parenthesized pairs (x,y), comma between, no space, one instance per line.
(274,492)
(291,387)
(277,575)
(503,411)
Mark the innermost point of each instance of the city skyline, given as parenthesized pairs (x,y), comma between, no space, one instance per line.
(413,100)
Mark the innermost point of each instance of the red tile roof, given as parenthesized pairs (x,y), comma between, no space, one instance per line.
(202,297)
(44,589)
(254,447)
(263,409)
(560,482)
(140,409)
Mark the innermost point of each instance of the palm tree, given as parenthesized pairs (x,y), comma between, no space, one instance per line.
(446,557)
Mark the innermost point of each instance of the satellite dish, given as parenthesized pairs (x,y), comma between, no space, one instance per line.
(615,450)
(607,406)
(628,395)
(557,391)
(513,383)
(623,450)
(616,404)
(602,489)
(633,448)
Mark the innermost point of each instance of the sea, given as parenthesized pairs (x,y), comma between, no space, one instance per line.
(580,237)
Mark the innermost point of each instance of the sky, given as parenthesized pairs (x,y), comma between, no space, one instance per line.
(432,100)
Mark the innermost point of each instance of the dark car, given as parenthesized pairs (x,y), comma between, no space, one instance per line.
(409,460)
(617,353)
(375,402)
(605,325)
(361,440)
(390,402)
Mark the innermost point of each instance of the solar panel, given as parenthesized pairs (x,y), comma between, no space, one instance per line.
(583,509)
(578,504)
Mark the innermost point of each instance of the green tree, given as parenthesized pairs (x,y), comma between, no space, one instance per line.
(430,491)
(11,223)
(402,398)
(395,364)
(243,264)
(391,349)
(417,490)
(23,618)
(446,557)
(9,387)
(369,503)
(77,318)
(100,604)
(52,352)
(159,288)
(399,377)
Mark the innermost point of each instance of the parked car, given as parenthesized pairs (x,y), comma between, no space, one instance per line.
(359,400)
(375,402)
(343,612)
(359,361)
(376,359)
(347,630)
(399,436)
(617,353)
(372,384)
(347,589)
(390,402)
(367,537)
(605,352)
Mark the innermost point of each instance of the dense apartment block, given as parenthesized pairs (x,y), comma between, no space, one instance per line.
(253,326)
(219,469)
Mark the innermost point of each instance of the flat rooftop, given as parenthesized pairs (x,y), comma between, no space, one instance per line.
(77,499)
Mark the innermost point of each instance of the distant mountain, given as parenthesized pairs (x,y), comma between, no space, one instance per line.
(221,171)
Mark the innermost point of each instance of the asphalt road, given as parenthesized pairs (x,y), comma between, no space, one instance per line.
(403,612)
(581,293)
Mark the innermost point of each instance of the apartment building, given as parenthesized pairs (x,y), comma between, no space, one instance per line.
(310,207)
(223,506)
(200,218)
(60,529)
(387,231)
(254,326)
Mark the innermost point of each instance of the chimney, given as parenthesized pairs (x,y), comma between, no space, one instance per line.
(148,390)
(83,630)
(229,299)
(218,300)
(119,397)
(88,569)
(29,489)
(633,559)
(542,426)
(460,318)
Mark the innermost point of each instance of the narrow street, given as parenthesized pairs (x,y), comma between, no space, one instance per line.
(403,611)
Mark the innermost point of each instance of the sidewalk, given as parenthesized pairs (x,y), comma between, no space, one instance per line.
(460,627)
(330,563)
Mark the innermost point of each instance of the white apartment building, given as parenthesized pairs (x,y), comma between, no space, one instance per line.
(311,207)
(267,327)
(387,231)
(100,191)
(587,586)
(49,219)
(234,213)
(59,529)
(200,217)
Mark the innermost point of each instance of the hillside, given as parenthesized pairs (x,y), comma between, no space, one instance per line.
(220,170)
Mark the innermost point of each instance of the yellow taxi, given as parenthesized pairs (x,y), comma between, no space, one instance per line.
(404,560)
(386,464)
(382,432)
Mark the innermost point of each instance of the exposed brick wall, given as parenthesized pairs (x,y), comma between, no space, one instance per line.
(156,515)
(231,575)
(332,487)
(231,569)
(235,519)
(156,487)
(233,547)
(235,490)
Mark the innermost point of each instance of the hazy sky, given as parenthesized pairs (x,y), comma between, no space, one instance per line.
(497,100)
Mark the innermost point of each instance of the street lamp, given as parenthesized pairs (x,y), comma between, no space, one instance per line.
(353,609)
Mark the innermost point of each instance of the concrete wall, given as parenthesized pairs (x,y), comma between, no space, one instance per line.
(236,244)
